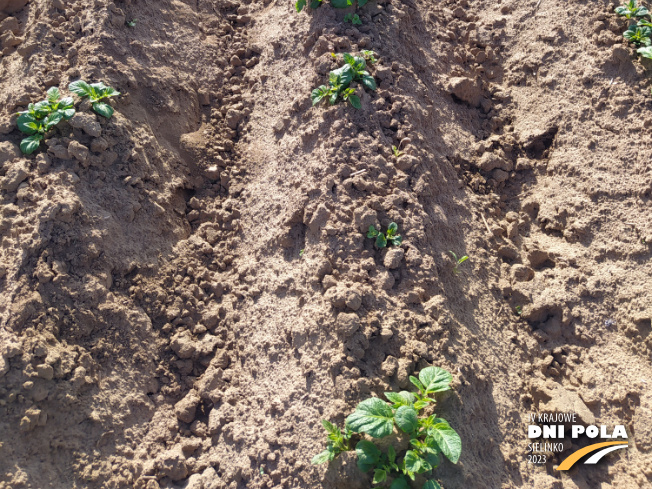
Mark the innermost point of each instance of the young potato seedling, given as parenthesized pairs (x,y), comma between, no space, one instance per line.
(370,56)
(458,262)
(638,35)
(41,117)
(382,239)
(397,152)
(339,80)
(632,10)
(353,19)
(430,436)
(131,23)
(300,4)
(96,92)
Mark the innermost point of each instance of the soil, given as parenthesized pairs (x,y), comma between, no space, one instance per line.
(186,289)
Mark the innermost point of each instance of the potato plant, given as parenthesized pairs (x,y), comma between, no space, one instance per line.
(96,92)
(339,82)
(430,436)
(389,237)
(41,117)
(314,4)
(639,32)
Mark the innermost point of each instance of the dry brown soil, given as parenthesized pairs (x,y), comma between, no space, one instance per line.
(160,326)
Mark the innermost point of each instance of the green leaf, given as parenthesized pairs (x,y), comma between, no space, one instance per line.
(419,405)
(345,73)
(369,82)
(400,483)
(41,109)
(25,123)
(109,92)
(340,3)
(403,398)
(333,98)
(406,419)
(30,144)
(646,52)
(325,456)
(350,60)
(362,3)
(360,65)
(355,101)
(431,485)
(315,4)
(379,476)
(381,241)
(417,383)
(391,454)
(448,441)
(396,241)
(372,233)
(415,463)
(53,94)
(392,229)
(104,109)
(299,5)
(435,379)
(368,455)
(81,88)
(372,416)
(68,113)
(54,118)
(318,94)
(66,103)
(356,20)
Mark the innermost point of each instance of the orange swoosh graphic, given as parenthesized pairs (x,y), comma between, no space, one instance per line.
(574,457)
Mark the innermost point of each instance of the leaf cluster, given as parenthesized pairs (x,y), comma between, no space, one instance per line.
(339,82)
(41,117)
(632,10)
(430,436)
(639,33)
(314,4)
(96,92)
(353,19)
(390,236)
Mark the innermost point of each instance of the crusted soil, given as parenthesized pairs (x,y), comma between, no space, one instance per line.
(186,288)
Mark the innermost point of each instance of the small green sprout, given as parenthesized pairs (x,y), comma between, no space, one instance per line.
(370,56)
(340,79)
(41,117)
(382,239)
(638,35)
(458,262)
(631,10)
(301,253)
(131,23)
(518,310)
(353,19)
(397,152)
(430,436)
(96,92)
